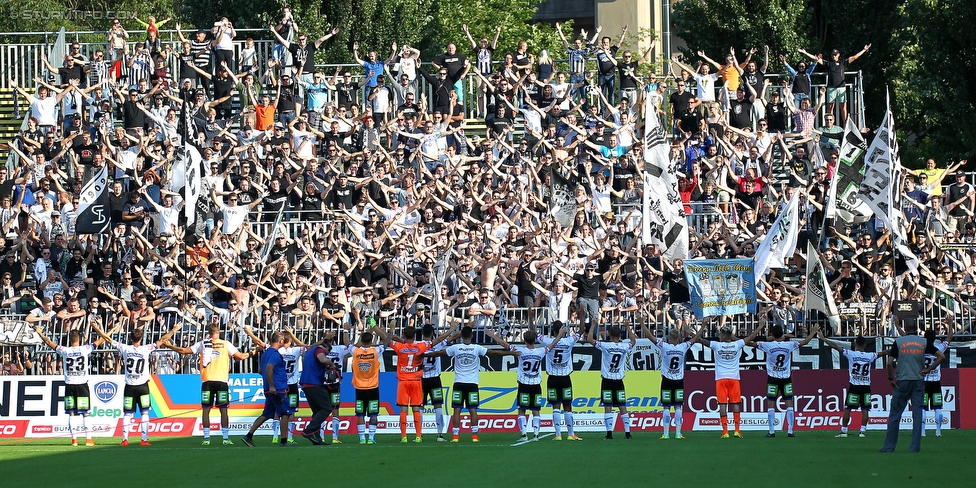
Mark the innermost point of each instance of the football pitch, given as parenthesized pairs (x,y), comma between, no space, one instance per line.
(810,459)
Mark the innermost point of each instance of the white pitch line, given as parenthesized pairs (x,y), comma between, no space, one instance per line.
(543,436)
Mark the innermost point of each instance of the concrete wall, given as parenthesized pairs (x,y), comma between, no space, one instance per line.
(637,15)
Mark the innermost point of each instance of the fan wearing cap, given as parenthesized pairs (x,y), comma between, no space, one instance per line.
(740,108)
(341,194)
(960,200)
(200,49)
(836,68)
(224,87)
(288,99)
(283,248)
(587,285)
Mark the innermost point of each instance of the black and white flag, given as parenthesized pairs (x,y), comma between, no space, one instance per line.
(562,200)
(845,204)
(818,292)
(881,189)
(780,242)
(93,206)
(190,160)
(663,214)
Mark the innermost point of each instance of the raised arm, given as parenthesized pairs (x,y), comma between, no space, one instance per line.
(815,57)
(467,33)
(40,333)
(498,340)
(709,60)
(858,55)
(829,342)
(811,335)
(326,37)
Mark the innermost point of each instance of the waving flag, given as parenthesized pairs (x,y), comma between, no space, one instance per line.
(664,221)
(881,189)
(93,206)
(818,294)
(780,241)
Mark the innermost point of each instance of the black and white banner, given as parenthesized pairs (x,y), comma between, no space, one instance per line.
(847,178)
(93,206)
(780,241)
(881,188)
(818,293)
(562,201)
(190,160)
(18,333)
(663,214)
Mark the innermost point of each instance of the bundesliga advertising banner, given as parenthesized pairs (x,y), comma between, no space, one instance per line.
(33,407)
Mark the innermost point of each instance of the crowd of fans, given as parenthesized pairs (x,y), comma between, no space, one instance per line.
(352,197)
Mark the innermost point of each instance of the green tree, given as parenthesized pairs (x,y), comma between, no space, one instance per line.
(714,26)
(377,24)
(934,94)
(482,16)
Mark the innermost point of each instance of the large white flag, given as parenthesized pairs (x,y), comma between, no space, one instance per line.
(818,293)
(881,188)
(780,241)
(664,221)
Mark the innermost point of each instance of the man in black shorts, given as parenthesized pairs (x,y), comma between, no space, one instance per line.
(559,385)
(613,368)
(77,364)
(137,376)
(430,383)
(215,354)
(859,365)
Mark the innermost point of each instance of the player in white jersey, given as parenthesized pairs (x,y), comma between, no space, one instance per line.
(933,381)
(337,354)
(137,376)
(430,382)
(673,352)
(727,390)
(529,374)
(859,392)
(467,366)
(77,396)
(613,367)
(291,353)
(559,385)
(779,371)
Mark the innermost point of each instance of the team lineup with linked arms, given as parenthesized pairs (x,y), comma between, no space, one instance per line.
(289,365)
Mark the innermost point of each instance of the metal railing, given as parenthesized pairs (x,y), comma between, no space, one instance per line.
(856,319)
(22,62)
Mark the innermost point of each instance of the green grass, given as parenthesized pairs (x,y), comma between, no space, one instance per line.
(810,459)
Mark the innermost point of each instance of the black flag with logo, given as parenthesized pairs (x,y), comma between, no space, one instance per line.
(93,206)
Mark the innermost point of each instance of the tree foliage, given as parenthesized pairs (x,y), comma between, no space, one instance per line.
(482,16)
(921,54)
(714,26)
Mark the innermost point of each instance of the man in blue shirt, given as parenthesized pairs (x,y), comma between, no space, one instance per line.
(275,387)
(373,66)
(318,371)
